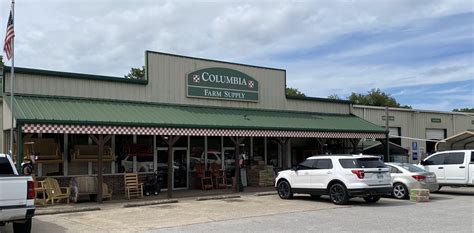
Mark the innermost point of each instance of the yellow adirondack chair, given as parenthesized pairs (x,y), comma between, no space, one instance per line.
(55,192)
(106,193)
(132,187)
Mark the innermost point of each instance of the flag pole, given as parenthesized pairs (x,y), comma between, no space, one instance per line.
(12,88)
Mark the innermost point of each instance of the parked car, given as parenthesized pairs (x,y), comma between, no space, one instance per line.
(17,197)
(214,157)
(144,164)
(452,168)
(406,177)
(339,176)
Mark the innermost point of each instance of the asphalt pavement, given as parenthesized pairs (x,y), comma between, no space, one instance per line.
(451,210)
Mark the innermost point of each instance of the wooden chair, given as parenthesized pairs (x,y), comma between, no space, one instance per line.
(218,177)
(87,186)
(132,186)
(39,189)
(55,192)
(106,193)
(206,181)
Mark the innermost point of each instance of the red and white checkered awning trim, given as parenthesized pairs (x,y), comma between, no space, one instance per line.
(96,129)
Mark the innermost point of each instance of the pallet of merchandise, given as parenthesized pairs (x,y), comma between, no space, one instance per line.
(419,195)
(261,177)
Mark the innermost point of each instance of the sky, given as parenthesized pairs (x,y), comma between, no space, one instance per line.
(421,52)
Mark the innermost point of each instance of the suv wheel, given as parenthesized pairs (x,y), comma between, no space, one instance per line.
(338,194)
(400,191)
(372,199)
(284,190)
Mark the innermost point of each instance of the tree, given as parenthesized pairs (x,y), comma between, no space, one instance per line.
(136,73)
(294,92)
(334,97)
(1,62)
(376,97)
(463,110)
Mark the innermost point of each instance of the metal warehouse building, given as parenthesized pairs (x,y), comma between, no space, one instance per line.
(191,115)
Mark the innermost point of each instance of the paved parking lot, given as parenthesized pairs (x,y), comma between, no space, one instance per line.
(448,211)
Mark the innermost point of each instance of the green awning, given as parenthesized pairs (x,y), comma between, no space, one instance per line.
(42,111)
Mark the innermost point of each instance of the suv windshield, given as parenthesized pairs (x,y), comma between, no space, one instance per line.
(362,163)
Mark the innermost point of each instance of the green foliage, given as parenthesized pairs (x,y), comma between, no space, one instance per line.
(1,62)
(375,97)
(136,73)
(334,97)
(294,92)
(463,110)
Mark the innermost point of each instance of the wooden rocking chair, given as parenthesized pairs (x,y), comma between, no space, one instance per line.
(132,187)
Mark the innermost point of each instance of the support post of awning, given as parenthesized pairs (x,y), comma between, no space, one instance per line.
(170,141)
(321,145)
(19,150)
(354,142)
(387,148)
(237,140)
(100,176)
(283,141)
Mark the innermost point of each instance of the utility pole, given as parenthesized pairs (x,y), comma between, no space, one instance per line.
(387,142)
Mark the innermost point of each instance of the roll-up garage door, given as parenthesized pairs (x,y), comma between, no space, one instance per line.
(435,134)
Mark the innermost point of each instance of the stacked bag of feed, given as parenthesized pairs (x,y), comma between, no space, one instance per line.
(419,195)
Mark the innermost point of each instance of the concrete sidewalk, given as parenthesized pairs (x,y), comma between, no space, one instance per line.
(185,212)
(120,201)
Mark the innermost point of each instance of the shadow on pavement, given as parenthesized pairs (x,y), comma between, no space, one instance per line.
(356,201)
(456,192)
(38,226)
(42,226)
(434,197)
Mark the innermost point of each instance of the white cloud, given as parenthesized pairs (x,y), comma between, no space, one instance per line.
(108,37)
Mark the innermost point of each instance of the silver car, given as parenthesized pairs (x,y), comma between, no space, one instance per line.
(406,177)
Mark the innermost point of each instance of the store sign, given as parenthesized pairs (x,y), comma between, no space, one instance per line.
(221,83)
(436,120)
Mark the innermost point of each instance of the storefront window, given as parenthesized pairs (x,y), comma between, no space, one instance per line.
(196,151)
(141,153)
(272,152)
(123,163)
(258,160)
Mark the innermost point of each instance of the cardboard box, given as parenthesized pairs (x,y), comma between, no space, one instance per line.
(419,198)
(420,192)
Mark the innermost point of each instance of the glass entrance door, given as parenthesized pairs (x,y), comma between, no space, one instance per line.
(180,166)
(229,160)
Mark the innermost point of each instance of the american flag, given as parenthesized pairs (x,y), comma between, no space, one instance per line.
(7,43)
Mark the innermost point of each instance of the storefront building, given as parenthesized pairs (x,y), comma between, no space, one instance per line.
(187,117)
(418,131)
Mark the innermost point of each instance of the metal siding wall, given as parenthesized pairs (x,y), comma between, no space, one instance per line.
(463,123)
(167,77)
(414,123)
(168,72)
(312,106)
(47,85)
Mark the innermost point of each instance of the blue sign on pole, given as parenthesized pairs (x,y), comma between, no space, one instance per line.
(414,146)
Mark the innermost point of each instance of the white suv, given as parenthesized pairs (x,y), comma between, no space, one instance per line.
(339,176)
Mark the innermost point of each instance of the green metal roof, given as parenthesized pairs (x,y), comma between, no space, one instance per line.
(61,110)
